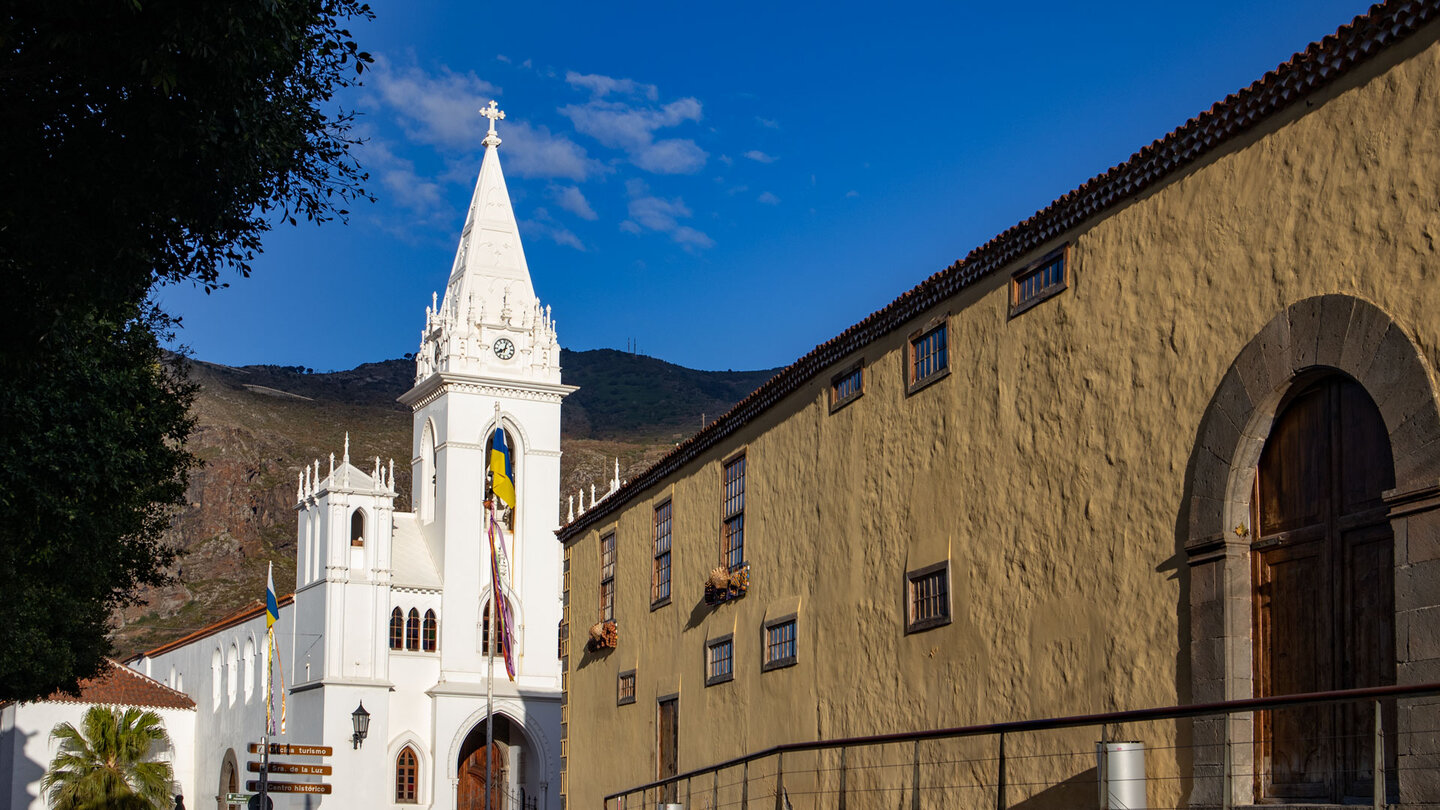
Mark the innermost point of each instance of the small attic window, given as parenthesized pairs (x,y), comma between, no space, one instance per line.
(357,527)
(1039,281)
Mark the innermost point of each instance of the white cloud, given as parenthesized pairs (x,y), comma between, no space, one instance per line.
(759,157)
(500,57)
(852,193)
(601,86)
(768,123)
(534,151)
(619,125)
(543,225)
(768,198)
(648,212)
(440,109)
(671,156)
(727,160)
(571,199)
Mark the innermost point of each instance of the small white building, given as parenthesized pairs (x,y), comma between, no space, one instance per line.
(389,609)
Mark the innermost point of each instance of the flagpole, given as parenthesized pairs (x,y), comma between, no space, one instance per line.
(490,654)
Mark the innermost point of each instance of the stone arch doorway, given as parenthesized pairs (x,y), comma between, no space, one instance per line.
(1322,582)
(1331,336)
(511,757)
(229,779)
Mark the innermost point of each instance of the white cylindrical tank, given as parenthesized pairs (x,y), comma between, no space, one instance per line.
(1121,768)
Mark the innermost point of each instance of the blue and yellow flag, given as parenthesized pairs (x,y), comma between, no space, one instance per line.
(501,481)
(272,606)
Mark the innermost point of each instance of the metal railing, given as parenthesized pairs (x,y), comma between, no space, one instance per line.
(1004,764)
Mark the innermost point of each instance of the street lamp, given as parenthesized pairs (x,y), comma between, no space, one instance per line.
(361,719)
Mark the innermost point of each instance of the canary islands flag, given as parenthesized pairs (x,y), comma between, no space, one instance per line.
(272,606)
(501,471)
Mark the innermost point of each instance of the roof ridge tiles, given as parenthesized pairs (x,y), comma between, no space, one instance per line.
(1305,72)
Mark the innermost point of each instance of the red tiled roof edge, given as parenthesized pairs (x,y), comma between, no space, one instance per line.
(1308,71)
(122,686)
(244,614)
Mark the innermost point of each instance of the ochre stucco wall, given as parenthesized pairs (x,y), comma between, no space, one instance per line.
(1050,466)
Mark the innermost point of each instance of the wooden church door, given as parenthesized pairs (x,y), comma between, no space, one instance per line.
(472,780)
(1324,602)
(669,743)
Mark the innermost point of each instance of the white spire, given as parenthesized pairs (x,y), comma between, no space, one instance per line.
(489,321)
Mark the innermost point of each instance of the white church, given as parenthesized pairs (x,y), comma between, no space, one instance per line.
(390,609)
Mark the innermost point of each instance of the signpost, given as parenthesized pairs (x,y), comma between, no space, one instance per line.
(237,798)
(290,787)
(266,767)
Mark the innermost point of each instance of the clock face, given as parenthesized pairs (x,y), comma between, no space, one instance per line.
(504,349)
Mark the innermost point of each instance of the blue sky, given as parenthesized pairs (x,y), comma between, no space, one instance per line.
(725,185)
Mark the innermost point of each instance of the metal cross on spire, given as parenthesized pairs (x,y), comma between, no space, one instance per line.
(494,113)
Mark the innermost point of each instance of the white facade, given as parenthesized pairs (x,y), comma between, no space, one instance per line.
(488,357)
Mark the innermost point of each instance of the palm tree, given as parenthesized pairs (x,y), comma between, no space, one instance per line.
(108,765)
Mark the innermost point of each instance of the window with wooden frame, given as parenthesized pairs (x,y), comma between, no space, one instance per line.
(660,547)
(412,630)
(397,629)
(625,688)
(847,386)
(927,597)
(429,632)
(927,355)
(407,770)
(607,577)
(732,538)
(1039,281)
(720,660)
(780,644)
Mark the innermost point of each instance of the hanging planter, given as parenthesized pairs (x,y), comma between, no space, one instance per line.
(603,636)
(724,584)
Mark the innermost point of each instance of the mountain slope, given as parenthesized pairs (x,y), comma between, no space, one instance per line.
(257,426)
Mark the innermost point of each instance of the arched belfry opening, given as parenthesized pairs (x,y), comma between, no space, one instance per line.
(513,763)
(511,449)
(1323,588)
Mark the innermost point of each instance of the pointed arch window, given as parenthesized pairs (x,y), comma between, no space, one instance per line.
(407,771)
(427,632)
(412,630)
(397,629)
(428,473)
(507,515)
(357,527)
(485,635)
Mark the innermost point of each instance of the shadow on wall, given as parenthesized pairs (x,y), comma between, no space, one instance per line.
(28,772)
(1077,792)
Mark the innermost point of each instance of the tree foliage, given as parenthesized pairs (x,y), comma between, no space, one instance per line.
(145,142)
(109,762)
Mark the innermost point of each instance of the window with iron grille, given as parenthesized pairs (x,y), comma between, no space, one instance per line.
(928,597)
(732,545)
(660,574)
(607,577)
(929,356)
(846,387)
(779,644)
(625,688)
(720,660)
(1040,281)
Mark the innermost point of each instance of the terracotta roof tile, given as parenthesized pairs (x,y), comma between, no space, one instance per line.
(122,686)
(1308,71)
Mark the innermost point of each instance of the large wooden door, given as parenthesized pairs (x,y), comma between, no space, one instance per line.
(472,779)
(668,745)
(1324,591)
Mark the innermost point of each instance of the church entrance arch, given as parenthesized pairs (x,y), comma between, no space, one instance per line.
(510,786)
(1289,551)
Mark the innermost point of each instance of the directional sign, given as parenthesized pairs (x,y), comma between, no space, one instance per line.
(237,798)
(295,750)
(287,767)
(289,787)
